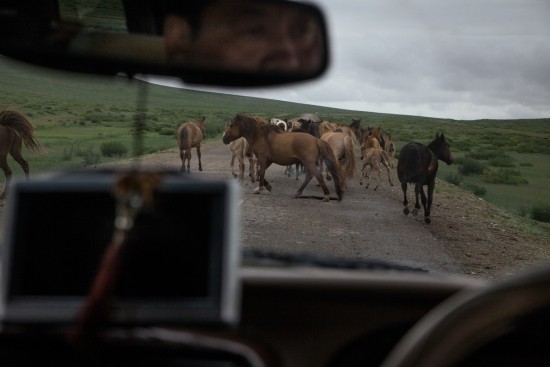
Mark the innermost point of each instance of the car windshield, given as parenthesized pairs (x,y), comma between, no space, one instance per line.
(469,80)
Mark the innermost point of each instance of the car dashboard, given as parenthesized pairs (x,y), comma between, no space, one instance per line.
(290,316)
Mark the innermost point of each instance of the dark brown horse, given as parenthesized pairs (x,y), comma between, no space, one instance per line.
(190,135)
(272,145)
(418,164)
(15,130)
(355,126)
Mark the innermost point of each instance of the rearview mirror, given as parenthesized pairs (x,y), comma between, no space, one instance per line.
(223,42)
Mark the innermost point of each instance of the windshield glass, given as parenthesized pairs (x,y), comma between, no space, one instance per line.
(469,80)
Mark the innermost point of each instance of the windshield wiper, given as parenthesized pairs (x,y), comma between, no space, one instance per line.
(269,258)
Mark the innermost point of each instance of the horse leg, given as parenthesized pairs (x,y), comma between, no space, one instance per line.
(363,172)
(326,192)
(371,167)
(198,155)
(308,178)
(186,161)
(378,176)
(263,182)
(7,173)
(182,157)
(16,154)
(388,170)
(417,190)
(288,171)
(232,164)
(405,201)
(327,175)
(252,169)
(241,168)
(428,206)
(311,170)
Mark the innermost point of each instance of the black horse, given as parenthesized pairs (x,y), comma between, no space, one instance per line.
(418,164)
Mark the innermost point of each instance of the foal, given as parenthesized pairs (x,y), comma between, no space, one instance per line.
(373,156)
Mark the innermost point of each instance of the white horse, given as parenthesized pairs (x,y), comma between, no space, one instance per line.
(281,123)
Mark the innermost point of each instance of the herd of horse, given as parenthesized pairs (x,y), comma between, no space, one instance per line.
(312,147)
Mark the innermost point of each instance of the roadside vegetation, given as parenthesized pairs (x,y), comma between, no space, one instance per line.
(86,121)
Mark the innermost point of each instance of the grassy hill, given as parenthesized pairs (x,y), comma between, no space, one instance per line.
(75,116)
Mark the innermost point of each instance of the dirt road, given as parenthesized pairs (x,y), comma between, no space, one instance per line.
(466,236)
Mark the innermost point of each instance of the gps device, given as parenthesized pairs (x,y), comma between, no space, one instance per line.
(179,267)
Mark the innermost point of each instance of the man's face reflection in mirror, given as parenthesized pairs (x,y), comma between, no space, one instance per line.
(246,35)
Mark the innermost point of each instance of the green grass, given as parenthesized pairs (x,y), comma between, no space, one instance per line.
(75,114)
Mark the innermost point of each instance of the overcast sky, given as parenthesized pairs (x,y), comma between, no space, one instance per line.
(461,59)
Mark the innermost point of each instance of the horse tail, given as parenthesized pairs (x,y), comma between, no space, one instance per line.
(19,124)
(332,166)
(183,138)
(410,158)
(349,168)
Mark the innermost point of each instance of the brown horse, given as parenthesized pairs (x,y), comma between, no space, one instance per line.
(418,164)
(241,149)
(15,130)
(190,135)
(343,146)
(271,145)
(373,156)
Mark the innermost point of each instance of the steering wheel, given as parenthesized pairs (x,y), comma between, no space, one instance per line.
(472,319)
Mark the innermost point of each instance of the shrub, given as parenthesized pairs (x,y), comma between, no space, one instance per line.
(476,190)
(483,155)
(471,167)
(502,161)
(541,213)
(113,149)
(167,131)
(90,158)
(504,176)
(454,178)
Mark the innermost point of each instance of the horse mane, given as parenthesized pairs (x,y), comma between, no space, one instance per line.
(266,129)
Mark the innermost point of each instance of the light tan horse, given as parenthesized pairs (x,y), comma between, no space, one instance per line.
(373,156)
(272,145)
(241,149)
(15,130)
(190,135)
(333,126)
(343,146)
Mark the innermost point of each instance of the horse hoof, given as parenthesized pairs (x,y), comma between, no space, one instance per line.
(257,190)
(268,187)
(406,211)
(326,199)
(427,220)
